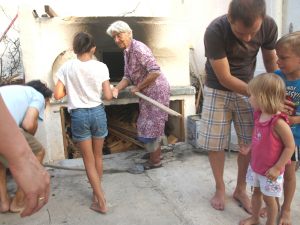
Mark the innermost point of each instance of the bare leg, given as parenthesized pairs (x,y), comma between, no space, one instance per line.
(4,197)
(240,193)
(272,210)
(155,156)
(289,187)
(97,150)
(256,202)
(89,160)
(217,161)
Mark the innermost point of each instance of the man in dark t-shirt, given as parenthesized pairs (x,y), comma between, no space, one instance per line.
(232,42)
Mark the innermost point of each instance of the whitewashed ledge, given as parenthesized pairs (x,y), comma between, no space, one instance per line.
(126,97)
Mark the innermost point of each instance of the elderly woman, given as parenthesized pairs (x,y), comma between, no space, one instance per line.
(141,71)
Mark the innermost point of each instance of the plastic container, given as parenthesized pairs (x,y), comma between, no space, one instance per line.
(193,130)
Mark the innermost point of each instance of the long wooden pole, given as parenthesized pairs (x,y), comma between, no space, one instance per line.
(9,26)
(159,105)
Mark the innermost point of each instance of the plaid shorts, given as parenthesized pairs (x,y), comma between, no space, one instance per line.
(220,108)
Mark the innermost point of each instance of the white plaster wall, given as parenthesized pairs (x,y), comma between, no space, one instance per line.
(189,108)
(41,43)
(52,36)
(275,10)
(196,14)
(291,20)
(50,134)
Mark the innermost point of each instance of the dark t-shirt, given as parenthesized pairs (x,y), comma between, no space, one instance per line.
(220,42)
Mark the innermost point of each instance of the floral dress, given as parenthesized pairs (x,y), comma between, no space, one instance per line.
(139,62)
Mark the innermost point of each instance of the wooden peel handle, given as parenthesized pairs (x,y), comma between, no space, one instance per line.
(159,105)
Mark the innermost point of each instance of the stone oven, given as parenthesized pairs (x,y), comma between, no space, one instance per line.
(46,44)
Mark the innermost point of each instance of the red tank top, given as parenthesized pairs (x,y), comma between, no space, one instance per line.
(266,146)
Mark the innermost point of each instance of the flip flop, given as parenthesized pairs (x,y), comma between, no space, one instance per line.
(150,166)
(147,156)
(140,168)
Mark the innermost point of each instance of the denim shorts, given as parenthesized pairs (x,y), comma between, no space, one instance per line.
(87,123)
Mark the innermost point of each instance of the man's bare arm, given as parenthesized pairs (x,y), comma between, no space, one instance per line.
(30,121)
(222,71)
(27,171)
(270,59)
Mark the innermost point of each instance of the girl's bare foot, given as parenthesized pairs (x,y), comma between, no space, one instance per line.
(101,209)
(249,221)
(16,206)
(4,204)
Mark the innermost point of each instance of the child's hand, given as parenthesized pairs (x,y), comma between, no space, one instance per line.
(245,148)
(115,92)
(272,173)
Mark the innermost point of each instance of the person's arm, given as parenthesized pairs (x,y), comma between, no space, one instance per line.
(222,71)
(28,173)
(30,121)
(283,130)
(59,91)
(107,91)
(294,120)
(120,86)
(151,77)
(270,60)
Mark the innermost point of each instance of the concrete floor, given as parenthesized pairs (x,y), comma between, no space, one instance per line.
(176,194)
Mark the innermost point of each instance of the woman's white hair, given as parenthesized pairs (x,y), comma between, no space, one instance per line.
(118,27)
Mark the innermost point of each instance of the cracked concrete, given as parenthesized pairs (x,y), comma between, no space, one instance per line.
(176,194)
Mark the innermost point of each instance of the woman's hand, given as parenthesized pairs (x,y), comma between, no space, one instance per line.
(134,89)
